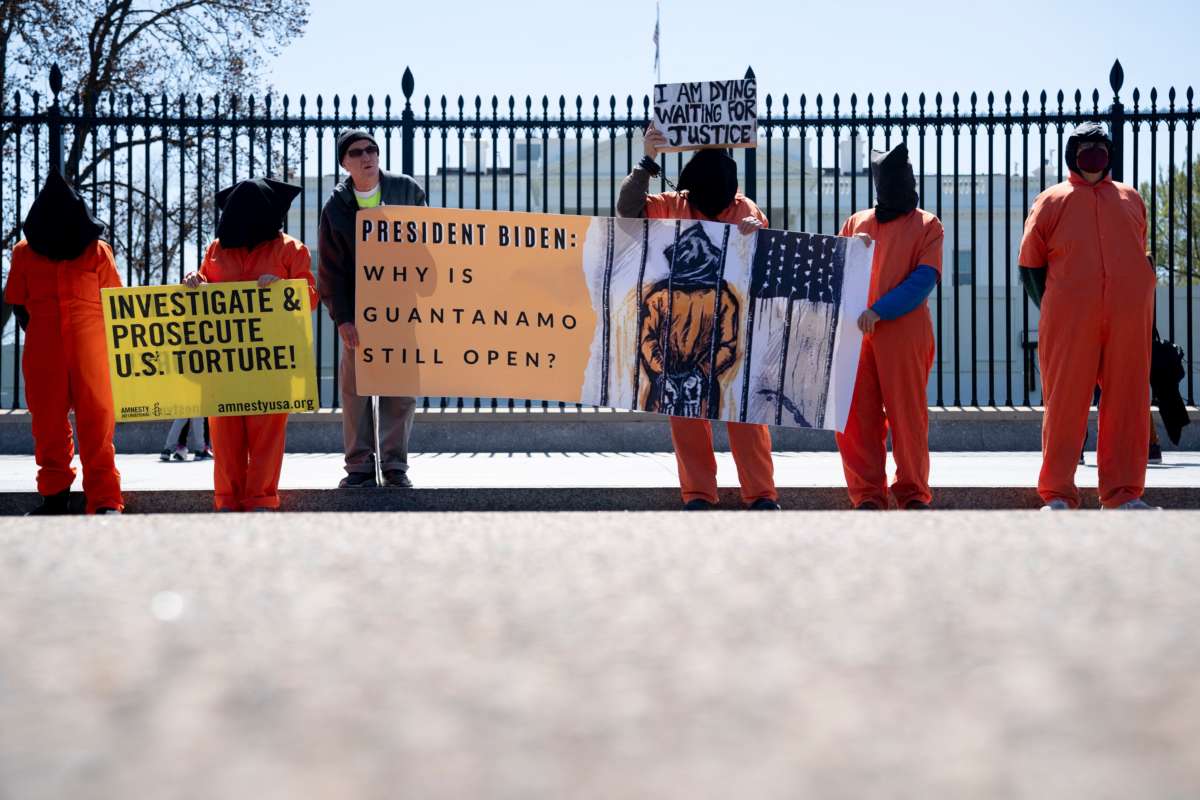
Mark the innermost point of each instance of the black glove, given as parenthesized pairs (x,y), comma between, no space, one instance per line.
(1034,281)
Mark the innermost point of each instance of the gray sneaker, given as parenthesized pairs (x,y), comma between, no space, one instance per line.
(1137,504)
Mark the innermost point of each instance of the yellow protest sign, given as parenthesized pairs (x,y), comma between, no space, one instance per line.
(223,349)
(680,317)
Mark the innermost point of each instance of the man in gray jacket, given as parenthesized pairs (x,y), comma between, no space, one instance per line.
(367,186)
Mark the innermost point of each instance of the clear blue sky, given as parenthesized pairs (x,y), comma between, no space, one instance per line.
(566,47)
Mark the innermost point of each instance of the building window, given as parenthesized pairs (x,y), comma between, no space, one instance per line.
(962,267)
(529,151)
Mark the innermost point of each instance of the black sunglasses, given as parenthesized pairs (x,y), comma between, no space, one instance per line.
(357,152)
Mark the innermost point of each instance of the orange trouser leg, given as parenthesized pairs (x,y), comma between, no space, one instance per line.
(1069,356)
(48,395)
(751,446)
(91,395)
(863,444)
(230,458)
(265,438)
(695,459)
(1124,425)
(902,364)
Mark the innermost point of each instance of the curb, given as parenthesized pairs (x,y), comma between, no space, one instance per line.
(593,430)
(831,498)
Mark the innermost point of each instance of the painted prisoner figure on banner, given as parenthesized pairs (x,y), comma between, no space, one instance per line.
(689,329)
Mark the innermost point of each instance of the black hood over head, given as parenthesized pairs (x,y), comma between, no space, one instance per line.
(895,185)
(710,179)
(252,211)
(695,261)
(59,225)
(1087,132)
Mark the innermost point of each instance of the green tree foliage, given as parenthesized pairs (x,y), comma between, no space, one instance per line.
(132,54)
(1169,223)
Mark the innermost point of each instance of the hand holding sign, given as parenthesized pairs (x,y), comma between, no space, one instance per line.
(349,334)
(748,226)
(654,142)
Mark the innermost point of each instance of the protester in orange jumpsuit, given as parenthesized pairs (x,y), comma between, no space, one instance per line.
(248,450)
(897,348)
(1083,259)
(54,287)
(707,191)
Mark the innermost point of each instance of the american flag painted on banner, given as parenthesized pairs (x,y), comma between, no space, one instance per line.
(792,300)
(799,266)
(795,282)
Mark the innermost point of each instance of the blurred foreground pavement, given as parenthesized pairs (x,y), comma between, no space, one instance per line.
(622,655)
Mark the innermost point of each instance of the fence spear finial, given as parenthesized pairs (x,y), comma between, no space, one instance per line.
(1116,79)
(407,83)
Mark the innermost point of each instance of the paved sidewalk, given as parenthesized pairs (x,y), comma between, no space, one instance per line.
(602,470)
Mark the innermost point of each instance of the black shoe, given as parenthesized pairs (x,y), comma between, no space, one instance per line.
(764,504)
(201,455)
(358,480)
(396,479)
(53,505)
(1155,456)
(699,504)
(108,511)
(916,505)
(867,505)
(166,454)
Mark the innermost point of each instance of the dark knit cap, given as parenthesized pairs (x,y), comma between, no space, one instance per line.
(347,138)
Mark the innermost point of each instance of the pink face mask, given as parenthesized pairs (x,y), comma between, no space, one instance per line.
(1094,159)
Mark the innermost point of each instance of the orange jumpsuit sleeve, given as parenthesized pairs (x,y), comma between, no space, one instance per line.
(1034,248)
(847,227)
(300,266)
(657,207)
(106,270)
(1145,232)
(652,332)
(930,252)
(16,291)
(207,262)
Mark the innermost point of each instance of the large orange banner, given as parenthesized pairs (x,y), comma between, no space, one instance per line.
(669,316)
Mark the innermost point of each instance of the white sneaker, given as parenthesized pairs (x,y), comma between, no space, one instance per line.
(1137,504)
(1056,504)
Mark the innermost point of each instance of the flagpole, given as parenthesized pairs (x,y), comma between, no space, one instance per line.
(657,58)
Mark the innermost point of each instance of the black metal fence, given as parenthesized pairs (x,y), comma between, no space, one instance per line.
(150,167)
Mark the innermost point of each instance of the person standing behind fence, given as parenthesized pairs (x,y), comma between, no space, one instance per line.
(1082,260)
(707,191)
(366,186)
(54,288)
(250,246)
(174,448)
(898,347)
